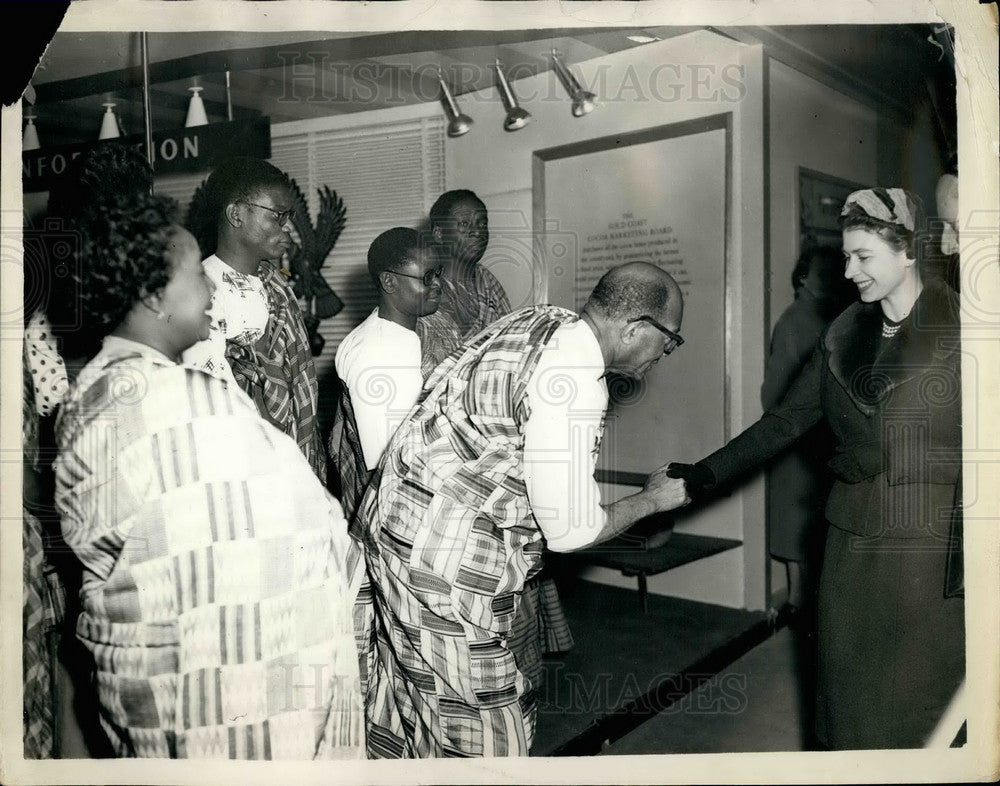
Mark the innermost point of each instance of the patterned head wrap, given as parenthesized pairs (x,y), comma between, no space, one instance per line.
(892,205)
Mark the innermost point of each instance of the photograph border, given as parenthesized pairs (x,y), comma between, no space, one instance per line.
(976,66)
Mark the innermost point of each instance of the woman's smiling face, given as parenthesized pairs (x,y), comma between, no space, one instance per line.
(187,297)
(872,265)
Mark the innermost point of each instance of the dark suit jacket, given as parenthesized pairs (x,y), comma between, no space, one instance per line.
(890,635)
(894,407)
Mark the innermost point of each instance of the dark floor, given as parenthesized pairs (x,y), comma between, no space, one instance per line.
(622,657)
(752,706)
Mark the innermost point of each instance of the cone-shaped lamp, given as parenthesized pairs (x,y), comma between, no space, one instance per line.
(109,123)
(30,139)
(196,109)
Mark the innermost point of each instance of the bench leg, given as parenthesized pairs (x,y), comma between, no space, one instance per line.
(643,592)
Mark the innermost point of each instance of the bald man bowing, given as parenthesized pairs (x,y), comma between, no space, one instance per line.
(496,461)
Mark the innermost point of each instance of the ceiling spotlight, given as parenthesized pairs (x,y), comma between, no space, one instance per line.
(196,109)
(583,101)
(516,117)
(30,139)
(642,39)
(458,123)
(109,123)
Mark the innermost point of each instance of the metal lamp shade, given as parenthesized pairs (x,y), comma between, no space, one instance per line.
(30,139)
(583,100)
(516,116)
(109,123)
(196,115)
(458,123)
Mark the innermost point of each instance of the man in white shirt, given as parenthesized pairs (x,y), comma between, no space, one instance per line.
(379,361)
(495,461)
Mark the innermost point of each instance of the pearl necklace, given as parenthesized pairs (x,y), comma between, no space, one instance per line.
(888,331)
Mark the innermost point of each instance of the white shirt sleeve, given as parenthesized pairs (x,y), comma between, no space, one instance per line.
(381,368)
(210,355)
(568,399)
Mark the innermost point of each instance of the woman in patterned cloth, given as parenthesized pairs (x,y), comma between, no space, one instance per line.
(55,349)
(886,376)
(471,300)
(213,598)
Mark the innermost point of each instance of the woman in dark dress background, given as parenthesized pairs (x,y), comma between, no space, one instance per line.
(886,377)
(797,481)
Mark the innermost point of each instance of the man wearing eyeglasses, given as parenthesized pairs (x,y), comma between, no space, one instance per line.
(258,339)
(495,462)
(379,361)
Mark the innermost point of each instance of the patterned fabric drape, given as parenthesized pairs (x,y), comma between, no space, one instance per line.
(466,308)
(350,469)
(450,540)
(42,600)
(214,599)
(277,371)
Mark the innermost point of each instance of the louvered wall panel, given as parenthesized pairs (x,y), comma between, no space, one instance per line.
(388,175)
(180,187)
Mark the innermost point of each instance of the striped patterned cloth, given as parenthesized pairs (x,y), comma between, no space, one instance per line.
(214,599)
(449,541)
(439,337)
(351,473)
(42,598)
(466,308)
(277,370)
(37,664)
(540,628)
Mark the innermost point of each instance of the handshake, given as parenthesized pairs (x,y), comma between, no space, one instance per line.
(673,484)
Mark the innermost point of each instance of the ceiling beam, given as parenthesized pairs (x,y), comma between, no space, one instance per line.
(786,51)
(284,55)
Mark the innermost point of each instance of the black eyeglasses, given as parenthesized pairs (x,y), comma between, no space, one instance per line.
(428,276)
(675,338)
(281,216)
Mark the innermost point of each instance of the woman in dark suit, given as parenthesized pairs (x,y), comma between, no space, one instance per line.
(886,377)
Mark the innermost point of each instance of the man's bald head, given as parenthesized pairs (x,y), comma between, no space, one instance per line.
(636,289)
(620,310)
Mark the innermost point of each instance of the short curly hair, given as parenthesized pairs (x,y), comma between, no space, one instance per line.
(105,172)
(390,250)
(120,257)
(828,261)
(444,204)
(621,294)
(234,179)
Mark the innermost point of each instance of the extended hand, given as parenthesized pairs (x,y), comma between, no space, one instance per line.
(667,493)
(698,476)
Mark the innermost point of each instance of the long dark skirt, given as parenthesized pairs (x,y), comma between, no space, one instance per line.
(891,646)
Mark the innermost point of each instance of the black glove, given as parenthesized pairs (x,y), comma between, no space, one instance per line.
(697,477)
